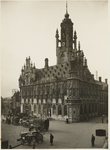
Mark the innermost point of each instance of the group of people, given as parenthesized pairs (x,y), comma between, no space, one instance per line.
(10,119)
(7,119)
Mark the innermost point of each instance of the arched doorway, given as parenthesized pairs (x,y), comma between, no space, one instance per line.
(59,110)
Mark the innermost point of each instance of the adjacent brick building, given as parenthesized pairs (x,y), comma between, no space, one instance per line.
(16,102)
(66,89)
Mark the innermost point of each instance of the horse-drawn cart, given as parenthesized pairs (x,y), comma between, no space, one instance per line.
(41,124)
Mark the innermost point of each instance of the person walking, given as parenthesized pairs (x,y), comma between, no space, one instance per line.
(34,142)
(92,140)
(67,120)
(51,139)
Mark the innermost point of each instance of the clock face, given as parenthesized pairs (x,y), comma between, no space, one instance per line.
(63,43)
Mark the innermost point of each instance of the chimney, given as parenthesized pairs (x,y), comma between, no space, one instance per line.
(106,81)
(46,62)
(100,79)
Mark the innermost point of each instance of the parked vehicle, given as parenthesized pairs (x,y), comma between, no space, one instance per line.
(29,137)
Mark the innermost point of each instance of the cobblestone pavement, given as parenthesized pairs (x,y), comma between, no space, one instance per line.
(73,135)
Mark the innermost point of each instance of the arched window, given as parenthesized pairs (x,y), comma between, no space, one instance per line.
(59,110)
(54,110)
(65,110)
(34,108)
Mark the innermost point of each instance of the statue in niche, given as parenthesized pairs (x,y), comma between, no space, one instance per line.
(67,91)
(62,88)
(69,88)
(70,92)
(51,89)
(41,92)
(28,80)
(37,90)
(45,90)
(71,84)
(55,91)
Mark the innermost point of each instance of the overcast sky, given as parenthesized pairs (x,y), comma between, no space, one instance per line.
(28,29)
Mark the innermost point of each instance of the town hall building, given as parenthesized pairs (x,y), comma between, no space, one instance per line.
(67,89)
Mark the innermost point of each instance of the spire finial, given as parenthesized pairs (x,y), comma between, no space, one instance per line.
(66,7)
(66,15)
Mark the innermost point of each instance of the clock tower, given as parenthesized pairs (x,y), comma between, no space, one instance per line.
(64,46)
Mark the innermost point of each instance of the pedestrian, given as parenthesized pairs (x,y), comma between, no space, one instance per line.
(51,139)
(67,120)
(92,140)
(9,120)
(34,142)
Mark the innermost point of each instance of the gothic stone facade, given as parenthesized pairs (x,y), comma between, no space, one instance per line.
(67,89)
